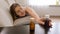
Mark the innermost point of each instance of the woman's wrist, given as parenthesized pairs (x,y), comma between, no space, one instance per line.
(40,21)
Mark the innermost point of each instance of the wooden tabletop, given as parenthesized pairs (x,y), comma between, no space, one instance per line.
(24,29)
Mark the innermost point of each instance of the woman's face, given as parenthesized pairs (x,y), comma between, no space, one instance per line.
(20,11)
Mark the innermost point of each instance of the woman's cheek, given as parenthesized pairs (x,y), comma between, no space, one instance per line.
(23,14)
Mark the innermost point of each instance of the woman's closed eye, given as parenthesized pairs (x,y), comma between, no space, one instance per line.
(18,11)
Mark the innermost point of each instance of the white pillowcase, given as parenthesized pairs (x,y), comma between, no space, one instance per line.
(5,18)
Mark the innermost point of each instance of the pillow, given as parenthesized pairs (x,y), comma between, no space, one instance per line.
(10,2)
(5,18)
(3,4)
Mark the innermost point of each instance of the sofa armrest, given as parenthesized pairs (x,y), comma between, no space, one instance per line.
(21,21)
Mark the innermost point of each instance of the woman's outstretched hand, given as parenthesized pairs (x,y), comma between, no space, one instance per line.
(42,21)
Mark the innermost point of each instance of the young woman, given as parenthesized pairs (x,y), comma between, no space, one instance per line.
(17,11)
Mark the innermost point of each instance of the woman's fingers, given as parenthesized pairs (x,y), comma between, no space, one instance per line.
(50,24)
(40,22)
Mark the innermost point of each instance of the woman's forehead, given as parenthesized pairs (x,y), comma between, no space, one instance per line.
(18,7)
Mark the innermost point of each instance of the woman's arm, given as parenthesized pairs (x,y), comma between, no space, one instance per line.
(32,13)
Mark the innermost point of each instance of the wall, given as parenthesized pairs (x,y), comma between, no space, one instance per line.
(43,10)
